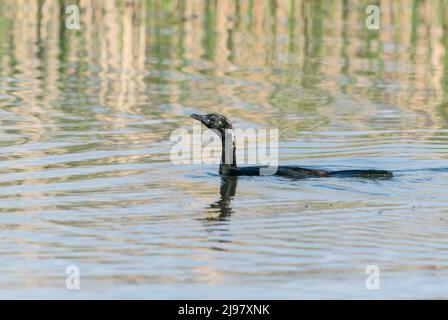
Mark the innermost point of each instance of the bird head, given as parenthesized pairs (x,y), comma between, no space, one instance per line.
(214,121)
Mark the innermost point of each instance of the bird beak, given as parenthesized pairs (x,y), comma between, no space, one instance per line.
(198,117)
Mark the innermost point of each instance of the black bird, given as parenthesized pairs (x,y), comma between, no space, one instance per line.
(222,126)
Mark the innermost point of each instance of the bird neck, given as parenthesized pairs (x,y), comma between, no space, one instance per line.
(228,154)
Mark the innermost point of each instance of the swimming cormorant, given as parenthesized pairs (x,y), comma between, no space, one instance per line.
(228,166)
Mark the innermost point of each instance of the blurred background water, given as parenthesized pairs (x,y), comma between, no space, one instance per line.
(86,178)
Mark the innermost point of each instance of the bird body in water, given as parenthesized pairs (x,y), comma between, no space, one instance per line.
(228,166)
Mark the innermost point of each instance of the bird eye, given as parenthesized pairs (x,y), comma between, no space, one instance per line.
(212,119)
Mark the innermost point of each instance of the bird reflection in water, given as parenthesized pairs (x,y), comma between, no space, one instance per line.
(227,191)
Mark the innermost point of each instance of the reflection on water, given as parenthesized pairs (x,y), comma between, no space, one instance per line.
(227,192)
(86,179)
